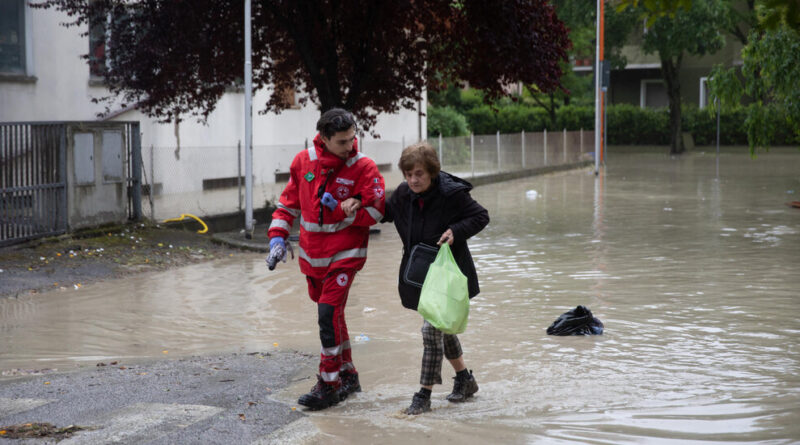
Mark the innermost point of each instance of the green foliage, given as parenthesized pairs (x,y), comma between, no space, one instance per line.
(482,120)
(770,71)
(696,31)
(632,125)
(724,83)
(774,14)
(702,124)
(574,117)
(446,121)
(456,97)
(445,97)
(655,9)
(470,98)
(509,119)
(580,18)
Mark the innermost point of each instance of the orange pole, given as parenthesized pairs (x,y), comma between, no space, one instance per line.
(602,45)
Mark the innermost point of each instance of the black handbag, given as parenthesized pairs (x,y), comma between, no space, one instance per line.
(420,259)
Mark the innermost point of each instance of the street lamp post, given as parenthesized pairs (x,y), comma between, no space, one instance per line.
(248,124)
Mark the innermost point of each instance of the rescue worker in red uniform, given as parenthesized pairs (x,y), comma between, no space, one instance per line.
(337,192)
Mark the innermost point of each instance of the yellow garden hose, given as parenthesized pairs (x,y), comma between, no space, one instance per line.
(189,215)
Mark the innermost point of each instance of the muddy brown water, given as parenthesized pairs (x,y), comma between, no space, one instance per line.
(692,266)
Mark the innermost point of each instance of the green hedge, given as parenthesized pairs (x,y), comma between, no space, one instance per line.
(446,121)
(631,125)
(627,124)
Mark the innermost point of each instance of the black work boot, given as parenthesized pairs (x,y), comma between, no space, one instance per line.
(463,388)
(420,403)
(350,384)
(322,395)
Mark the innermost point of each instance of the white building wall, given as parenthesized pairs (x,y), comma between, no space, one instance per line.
(178,159)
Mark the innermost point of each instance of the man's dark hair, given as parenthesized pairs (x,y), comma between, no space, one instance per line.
(334,121)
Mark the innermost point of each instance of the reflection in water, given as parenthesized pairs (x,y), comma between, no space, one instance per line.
(694,276)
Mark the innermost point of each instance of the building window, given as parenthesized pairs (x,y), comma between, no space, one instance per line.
(97,46)
(653,94)
(12,36)
(705,98)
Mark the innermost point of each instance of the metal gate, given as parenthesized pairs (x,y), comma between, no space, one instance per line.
(33,197)
(33,178)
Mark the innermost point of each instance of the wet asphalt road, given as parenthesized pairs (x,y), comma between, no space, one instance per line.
(220,399)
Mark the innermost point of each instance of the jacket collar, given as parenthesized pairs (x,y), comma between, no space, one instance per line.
(328,159)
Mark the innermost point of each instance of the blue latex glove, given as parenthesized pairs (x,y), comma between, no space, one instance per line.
(277,252)
(276,240)
(329,201)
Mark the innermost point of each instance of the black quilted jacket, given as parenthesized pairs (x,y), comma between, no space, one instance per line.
(447,204)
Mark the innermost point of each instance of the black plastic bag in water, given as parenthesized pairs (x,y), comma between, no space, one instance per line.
(578,321)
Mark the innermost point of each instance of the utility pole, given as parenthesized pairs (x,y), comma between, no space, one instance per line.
(248,124)
(598,73)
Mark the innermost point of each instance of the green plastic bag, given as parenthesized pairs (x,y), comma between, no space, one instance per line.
(444,301)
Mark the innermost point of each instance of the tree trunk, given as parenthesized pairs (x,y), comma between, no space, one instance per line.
(670,69)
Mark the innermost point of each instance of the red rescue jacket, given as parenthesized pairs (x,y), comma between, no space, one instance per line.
(338,241)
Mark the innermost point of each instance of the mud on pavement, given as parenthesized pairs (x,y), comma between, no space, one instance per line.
(70,261)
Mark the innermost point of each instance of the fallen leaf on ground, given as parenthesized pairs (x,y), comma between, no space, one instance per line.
(37,429)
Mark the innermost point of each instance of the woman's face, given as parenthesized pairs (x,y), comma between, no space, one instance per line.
(419,180)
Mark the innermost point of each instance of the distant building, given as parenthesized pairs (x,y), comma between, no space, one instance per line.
(641,83)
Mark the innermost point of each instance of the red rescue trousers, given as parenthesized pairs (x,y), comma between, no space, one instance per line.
(330,294)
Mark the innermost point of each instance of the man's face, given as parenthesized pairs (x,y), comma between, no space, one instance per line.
(341,143)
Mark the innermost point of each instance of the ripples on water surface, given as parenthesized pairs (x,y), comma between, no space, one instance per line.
(694,275)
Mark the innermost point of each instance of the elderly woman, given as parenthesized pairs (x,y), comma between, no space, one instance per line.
(434,207)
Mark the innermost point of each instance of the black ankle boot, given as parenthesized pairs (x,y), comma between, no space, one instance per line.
(322,395)
(420,403)
(350,384)
(464,386)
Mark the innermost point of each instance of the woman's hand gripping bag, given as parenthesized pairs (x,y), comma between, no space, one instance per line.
(444,300)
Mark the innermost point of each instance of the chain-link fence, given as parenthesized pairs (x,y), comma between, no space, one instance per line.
(210,180)
(477,155)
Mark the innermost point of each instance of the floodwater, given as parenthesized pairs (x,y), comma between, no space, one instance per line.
(692,265)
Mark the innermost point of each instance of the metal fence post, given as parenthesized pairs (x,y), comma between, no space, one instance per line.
(472,152)
(581,140)
(565,145)
(136,155)
(523,149)
(239,170)
(545,146)
(152,184)
(499,167)
(63,221)
(441,155)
